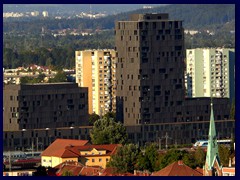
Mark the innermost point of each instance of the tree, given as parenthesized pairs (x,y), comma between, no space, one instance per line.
(125,158)
(189,160)
(195,159)
(224,154)
(93,118)
(200,157)
(25,80)
(60,77)
(170,157)
(107,131)
(148,158)
(110,115)
(40,171)
(41,77)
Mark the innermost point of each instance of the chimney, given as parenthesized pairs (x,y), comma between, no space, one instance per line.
(180,162)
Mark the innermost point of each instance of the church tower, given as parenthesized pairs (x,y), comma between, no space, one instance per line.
(212,165)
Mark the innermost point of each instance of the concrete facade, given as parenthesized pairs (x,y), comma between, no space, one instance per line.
(95,69)
(210,72)
(36,106)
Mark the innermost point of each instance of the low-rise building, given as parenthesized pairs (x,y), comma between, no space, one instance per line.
(57,153)
(65,150)
(35,106)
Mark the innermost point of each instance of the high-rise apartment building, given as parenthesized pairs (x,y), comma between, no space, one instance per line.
(210,72)
(149,69)
(150,93)
(95,69)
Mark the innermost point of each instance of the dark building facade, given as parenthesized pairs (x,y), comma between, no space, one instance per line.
(36,114)
(44,106)
(39,139)
(150,81)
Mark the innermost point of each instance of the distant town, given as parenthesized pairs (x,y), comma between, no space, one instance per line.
(144,99)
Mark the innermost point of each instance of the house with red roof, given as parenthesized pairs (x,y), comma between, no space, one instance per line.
(56,153)
(62,150)
(177,169)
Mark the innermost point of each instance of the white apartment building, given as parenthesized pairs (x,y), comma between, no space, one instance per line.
(95,69)
(210,72)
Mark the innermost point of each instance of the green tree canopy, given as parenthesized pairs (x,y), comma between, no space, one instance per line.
(40,171)
(107,131)
(147,158)
(125,158)
(224,154)
(195,159)
(200,157)
(93,118)
(170,157)
(60,77)
(110,115)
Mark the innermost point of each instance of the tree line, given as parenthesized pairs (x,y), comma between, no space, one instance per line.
(60,51)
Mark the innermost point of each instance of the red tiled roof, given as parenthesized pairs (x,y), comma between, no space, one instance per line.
(177,169)
(110,171)
(72,167)
(58,148)
(68,163)
(200,170)
(90,171)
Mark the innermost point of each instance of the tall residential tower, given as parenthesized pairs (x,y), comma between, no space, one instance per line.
(149,69)
(210,72)
(95,69)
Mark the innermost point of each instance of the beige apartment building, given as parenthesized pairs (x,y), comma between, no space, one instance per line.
(95,69)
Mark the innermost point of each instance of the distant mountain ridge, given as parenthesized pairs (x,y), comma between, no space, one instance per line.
(194,16)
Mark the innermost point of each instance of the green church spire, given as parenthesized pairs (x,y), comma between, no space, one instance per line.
(212,149)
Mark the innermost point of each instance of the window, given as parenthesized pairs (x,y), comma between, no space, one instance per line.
(157,109)
(100,160)
(93,160)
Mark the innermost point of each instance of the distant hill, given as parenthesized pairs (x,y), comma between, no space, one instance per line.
(195,16)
